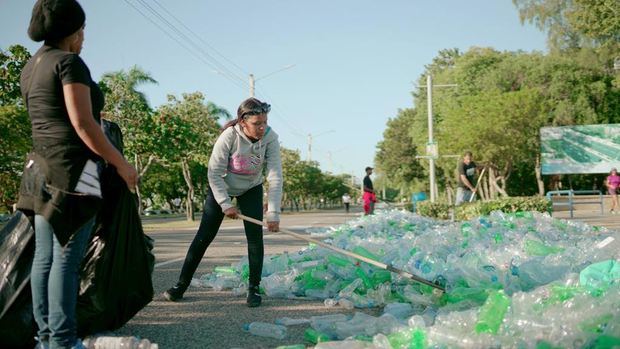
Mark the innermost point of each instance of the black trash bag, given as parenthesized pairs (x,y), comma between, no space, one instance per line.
(116,273)
(17,326)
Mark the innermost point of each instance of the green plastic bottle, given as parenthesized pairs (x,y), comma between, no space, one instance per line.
(313,336)
(606,342)
(492,312)
(364,252)
(225,270)
(410,339)
(365,279)
(381,276)
(339,261)
(537,248)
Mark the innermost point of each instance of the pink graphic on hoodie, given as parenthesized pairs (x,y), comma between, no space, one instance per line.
(245,164)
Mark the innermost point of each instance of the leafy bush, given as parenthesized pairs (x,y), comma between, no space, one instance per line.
(441,210)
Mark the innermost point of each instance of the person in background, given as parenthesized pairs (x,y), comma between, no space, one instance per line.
(60,184)
(369,196)
(612,183)
(245,148)
(346,200)
(466,171)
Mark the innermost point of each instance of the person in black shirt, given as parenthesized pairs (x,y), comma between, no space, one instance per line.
(369,193)
(60,184)
(465,179)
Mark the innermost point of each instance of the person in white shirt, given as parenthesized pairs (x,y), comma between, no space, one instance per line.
(346,200)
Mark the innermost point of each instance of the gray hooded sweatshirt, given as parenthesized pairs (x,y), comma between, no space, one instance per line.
(236,165)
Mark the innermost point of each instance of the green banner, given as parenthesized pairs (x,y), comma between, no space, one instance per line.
(580,149)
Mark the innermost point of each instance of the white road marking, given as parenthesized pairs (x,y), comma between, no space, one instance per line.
(161,264)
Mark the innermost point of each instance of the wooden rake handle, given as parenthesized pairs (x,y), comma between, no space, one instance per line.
(349,253)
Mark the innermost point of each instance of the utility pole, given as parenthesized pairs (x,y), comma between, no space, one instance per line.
(310,137)
(309,147)
(252,84)
(431,147)
(431,160)
(253,79)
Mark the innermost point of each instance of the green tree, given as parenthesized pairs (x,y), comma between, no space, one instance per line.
(186,134)
(15,133)
(574,24)
(501,101)
(12,63)
(129,108)
(396,153)
(15,142)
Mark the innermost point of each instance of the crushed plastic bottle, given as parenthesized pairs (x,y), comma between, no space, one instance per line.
(109,342)
(287,321)
(264,329)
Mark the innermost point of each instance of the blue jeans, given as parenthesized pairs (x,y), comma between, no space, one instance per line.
(463,195)
(54,282)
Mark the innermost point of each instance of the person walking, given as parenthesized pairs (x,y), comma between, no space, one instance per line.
(466,171)
(369,196)
(346,200)
(245,148)
(60,183)
(612,183)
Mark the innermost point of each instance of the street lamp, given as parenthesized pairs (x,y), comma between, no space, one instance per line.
(253,80)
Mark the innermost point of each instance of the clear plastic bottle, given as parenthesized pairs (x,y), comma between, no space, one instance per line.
(263,329)
(287,321)
(330,302)
(108,342)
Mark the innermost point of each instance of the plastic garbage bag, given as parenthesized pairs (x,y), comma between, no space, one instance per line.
(116,272)
(17,326)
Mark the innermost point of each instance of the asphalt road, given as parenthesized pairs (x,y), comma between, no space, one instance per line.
(210,319)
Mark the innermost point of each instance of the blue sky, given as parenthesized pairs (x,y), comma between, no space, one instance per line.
(355,61)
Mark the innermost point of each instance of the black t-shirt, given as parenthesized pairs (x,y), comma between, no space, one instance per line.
(41,85)
(368,183)
(469,171)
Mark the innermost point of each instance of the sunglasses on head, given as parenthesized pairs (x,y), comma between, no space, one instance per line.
(257,110)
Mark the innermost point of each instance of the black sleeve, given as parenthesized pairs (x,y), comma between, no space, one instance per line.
(72,69)
(368,183)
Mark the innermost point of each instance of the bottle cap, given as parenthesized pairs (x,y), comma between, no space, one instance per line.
(246,327)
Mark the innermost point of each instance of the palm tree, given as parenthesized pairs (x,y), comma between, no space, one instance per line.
(130,109)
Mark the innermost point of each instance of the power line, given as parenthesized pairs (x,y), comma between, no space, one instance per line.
(180,43)
(275,110)
(201,39)
(189,40)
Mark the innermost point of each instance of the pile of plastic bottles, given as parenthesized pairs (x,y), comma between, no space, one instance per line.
(522,280)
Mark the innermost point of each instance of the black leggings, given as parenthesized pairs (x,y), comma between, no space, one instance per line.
(251,205)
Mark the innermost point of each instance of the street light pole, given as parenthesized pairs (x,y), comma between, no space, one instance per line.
(252,84)
(431,147)
(310,136)
(431,160)
(253,80)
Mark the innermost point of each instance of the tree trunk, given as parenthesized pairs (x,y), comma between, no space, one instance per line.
(485,184)
(141,171)
(492,182)
(539,180)
(189,205)
(138,193)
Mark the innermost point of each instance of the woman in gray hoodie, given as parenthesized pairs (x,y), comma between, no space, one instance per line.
(246,150)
